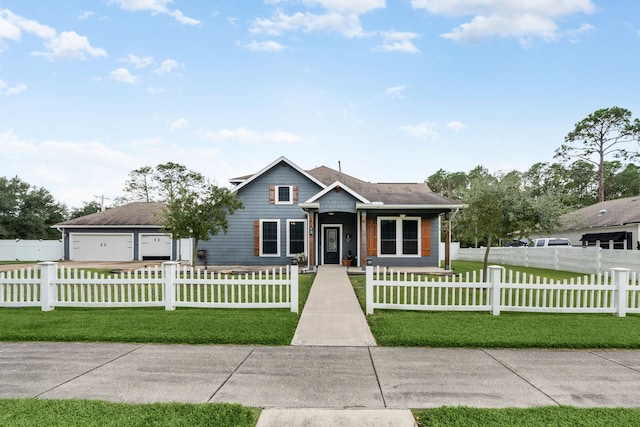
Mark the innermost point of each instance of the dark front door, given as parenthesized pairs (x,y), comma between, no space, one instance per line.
(331,245)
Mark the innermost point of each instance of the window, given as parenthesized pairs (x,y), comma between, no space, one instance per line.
(283,194)
(399,236)
(269,237)
(388,237)
(296,237)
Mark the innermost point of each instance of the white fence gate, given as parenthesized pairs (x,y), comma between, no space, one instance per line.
(49,286)
(31,250)
(617,293)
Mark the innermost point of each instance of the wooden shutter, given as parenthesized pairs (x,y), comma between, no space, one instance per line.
(272,194)
(295,194)
(426,237)
(256,238)
(372,237)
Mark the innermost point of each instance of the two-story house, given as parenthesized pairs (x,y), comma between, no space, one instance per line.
(330,217)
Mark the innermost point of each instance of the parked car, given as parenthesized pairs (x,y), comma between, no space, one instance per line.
(550,241)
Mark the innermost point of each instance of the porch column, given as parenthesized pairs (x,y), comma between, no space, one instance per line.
(447,241)
(362,259)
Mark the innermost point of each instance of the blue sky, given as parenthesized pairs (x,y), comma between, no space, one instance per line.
(393,90)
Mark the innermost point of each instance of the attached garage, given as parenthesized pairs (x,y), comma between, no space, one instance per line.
(101,247)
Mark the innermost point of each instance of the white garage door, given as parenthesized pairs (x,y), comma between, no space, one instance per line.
(155,246)
(101,247)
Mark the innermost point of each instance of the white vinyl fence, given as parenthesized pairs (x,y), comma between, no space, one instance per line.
(577,259)
(30,250)
(49,286)
(617,292)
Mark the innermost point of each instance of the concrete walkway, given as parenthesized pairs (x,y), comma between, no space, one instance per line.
(332,315)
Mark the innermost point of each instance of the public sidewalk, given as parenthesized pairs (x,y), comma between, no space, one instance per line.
(332,315)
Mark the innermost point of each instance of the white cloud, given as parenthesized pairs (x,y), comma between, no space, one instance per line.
(347,25)
(395,91)
(268,46)
(574,35)
(349,6)
(155,7)
(64,45)
(85,15)
(456,126)
(7,90)
(181,123)
(422,130)
(70,45)
(521,19)
(167,66)
(395,41)
(137,61)
(155,90)
(250,137)
(123,75)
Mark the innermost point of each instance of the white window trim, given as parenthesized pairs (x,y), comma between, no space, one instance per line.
(398,220)
(277,254)
(289,221)
(285,202)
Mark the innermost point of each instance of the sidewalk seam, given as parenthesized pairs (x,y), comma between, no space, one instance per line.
(90,370)
(615,362)
(375,372)
(231,374)
(520,376)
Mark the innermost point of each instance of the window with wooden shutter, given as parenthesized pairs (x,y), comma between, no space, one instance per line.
(426,237)
(256,238)
(272,194)
(372,237)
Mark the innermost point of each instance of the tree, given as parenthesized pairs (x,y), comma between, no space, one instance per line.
(499,208)
(140,185)
(87,208)
(28,212)
(600,135)
(197,208)
(448,184)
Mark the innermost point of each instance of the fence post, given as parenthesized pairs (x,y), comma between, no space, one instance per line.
(293,278)
(621,282)
(48,274)
(169,270)
(369,290)
(495,277)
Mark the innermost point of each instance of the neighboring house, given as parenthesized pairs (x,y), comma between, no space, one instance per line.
(614,224)
(130,232)
(330,217)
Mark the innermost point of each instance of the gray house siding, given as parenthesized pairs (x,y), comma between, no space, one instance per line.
(236,247)
(337,201)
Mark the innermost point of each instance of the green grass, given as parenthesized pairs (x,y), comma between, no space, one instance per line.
(52,413)
(155,325)
(509,330)
(557,416)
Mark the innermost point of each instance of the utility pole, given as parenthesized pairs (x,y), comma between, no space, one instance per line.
(102,199)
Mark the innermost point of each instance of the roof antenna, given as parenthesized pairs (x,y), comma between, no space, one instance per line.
(339,167)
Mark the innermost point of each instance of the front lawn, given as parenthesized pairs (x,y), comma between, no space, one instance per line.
(515,330)
(65,413)
(155,325)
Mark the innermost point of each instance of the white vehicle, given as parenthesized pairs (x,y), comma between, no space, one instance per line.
(550,241)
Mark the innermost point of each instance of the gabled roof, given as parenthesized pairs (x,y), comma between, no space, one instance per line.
(396,194)
(132,214)
(340,186)
(605,214)
(380,195)
(243,182)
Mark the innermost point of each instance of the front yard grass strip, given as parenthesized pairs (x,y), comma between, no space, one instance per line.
(155,325)
(511,329)
(557,416)
(53,413)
